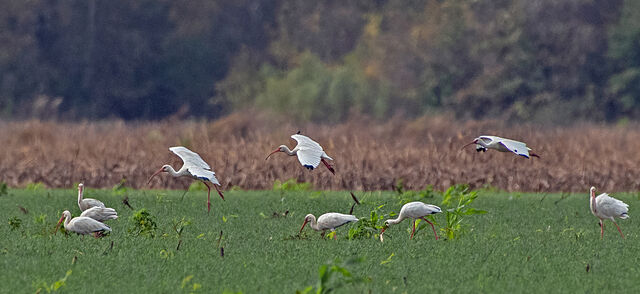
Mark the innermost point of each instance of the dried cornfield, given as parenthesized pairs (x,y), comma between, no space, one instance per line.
(368,156)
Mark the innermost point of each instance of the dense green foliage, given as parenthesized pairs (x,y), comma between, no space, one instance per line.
(541,61)
(524,243)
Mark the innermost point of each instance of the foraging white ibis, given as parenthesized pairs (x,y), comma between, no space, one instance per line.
(100,214)
(501,144)
(81,225)
(328,221)
(309,153)
(87,203)
(414,210)
(607,207)
(194,167)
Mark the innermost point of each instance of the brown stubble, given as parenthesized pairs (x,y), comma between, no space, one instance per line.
(368,155)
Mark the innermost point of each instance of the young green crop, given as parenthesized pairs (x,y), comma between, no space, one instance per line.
(531,243)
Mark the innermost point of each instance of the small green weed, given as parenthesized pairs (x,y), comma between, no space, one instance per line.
(35,186)
(410,196)
(399,186)
(388,260)
(53,287)
(120,189)
(188,285)
(333,275)
(290,185)
(15,223)
(179,225)
(3,189)
(457,200)
(40,219)
(197,186)
(368,227)
(143,223)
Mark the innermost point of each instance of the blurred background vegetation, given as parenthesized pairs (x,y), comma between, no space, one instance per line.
(542,61)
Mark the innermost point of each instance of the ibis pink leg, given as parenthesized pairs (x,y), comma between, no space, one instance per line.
(619,229)
(208,196)
(601,229)
(432,227)
(335,236)
(328,166)
(413,229)
(219,192)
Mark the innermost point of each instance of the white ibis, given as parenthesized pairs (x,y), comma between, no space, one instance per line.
(87,203)
(194,167)
(81,225)
(328,221)
(501,144)
(607,207)
(414,210)
(309,153)
(100,214)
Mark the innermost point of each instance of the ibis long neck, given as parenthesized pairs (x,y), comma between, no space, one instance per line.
(67,219)
(592,202)
(80,192)
(314,223)
(182,172)
(395,221)
(290,152)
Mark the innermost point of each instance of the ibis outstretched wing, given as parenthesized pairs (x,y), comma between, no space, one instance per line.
(189,157)
(306,142)
(203,174)
(195,165)
(516,147)
(309,151)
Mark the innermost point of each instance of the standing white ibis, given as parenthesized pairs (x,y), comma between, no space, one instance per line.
(100,214)
(501,144)
(414,210)
(81,225)
(328,221)
(309,153)
(87,203)
(194,167)
(607,207)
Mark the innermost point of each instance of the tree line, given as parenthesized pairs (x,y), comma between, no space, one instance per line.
(555,61)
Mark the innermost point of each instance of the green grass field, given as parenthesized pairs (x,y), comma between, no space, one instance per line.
(525,243)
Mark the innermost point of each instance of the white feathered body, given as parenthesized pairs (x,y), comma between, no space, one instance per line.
(416,210)
(100,214)
(331,220)
(608,207)
(194,166)
(86,203)
(83,225)
(503,145)
(308,151)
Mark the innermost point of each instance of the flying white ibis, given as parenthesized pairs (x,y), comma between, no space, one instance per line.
(501,144)
(414,210)
(607,207)
(194,167)
(87,203)
(81,225)
(100,214)
(328,221)
(309,152)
